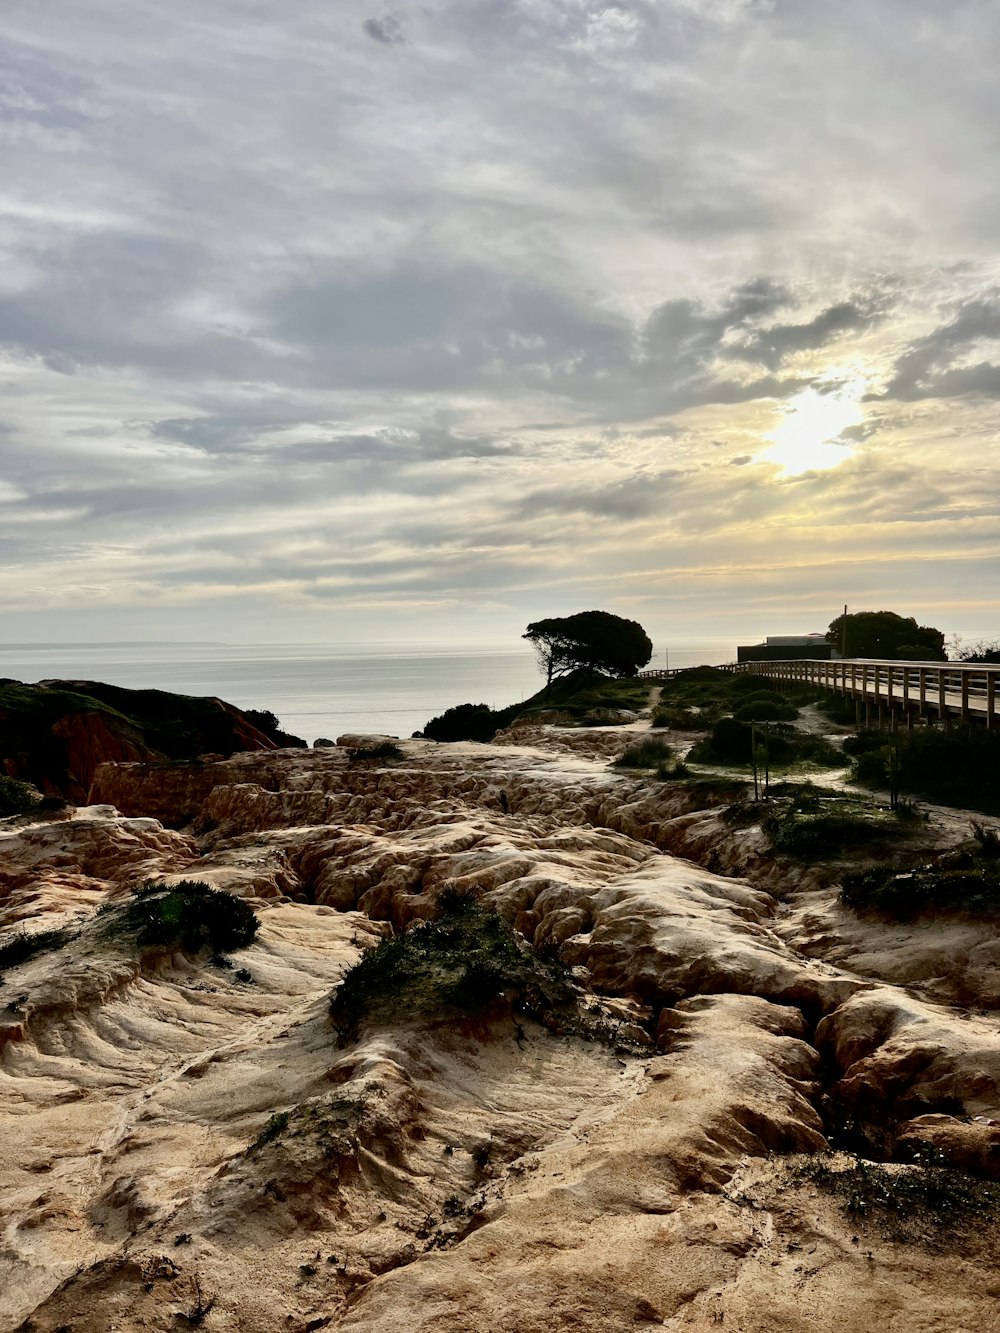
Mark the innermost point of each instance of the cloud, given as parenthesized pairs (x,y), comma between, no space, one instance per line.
(520,317)
(386,30)
(932,366)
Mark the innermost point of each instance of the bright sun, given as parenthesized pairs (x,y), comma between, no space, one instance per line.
(805,438)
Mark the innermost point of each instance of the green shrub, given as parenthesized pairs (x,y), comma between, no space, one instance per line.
(730,742)
(187,915)
(465,722)
(16,798)
(462,961)
(684,719)
(384,751)
(766,708)
(827,833)
(646,753)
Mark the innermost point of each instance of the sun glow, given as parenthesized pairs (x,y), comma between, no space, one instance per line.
(807,438)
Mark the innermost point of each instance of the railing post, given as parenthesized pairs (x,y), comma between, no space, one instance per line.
(922,687)
(990,697)
(942,705)
(964,676)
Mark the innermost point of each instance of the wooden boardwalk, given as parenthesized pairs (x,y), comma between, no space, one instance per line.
(965,690)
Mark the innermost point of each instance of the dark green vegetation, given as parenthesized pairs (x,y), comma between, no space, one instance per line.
(384,752)
(459,965)
(460,962)
(589,641)
(20,945)
(274,1128)
(53,735)
(809,823)
(16,798)
(964,879)
(650,752)
(777,744)
(887,636)
(981,652)
(583,698)
(958,765)
(907,1204)
(695,700)
(469,722)
(188,915)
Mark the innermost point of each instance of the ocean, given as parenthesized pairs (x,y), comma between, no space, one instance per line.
(319,689)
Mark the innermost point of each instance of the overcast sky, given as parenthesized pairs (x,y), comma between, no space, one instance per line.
(331,321)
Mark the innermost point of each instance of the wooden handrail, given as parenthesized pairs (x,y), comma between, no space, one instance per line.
(965,689)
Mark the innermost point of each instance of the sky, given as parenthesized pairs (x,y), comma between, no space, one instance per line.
(331,321)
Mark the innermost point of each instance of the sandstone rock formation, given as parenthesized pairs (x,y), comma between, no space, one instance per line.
(190,1146)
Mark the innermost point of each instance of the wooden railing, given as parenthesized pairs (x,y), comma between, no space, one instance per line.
(947,689)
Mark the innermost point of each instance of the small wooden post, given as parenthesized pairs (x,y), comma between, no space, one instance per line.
(922,687)
(965,695)
(990,697)
(942,703)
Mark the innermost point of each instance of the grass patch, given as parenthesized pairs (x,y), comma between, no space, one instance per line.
(188,915)
(905,1203)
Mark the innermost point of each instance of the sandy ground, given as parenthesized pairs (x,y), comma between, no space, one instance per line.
(487,1177)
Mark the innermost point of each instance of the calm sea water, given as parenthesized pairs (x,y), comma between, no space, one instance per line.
(315,689)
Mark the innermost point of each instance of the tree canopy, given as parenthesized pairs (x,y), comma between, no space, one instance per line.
(589,640)
(886,635)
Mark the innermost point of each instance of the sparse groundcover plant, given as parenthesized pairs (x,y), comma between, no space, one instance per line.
(459,965)
(904,1203)
(384,752)
(649,752)
(462,961)
(188,915)
(274,1128)
(837,825)
(20,945)
(964,879)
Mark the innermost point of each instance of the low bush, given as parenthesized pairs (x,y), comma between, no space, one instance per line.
(731,742)
(383,752)
(766,708)
(462,961)
(650,752)
(684,719)
(16,798)
(959,766)
(827,833)
(187,915)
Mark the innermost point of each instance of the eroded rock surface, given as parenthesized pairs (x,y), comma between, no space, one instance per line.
(190,1146)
